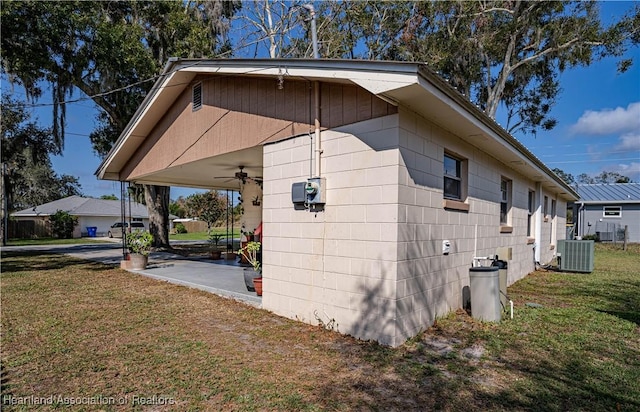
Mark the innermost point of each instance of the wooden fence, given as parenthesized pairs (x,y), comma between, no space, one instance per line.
(194,226)
(29,229)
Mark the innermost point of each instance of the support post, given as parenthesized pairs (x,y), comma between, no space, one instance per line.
(5,207)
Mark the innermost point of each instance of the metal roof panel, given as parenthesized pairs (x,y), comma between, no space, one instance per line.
(609,192)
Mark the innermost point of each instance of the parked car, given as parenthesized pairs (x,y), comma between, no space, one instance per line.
(116,229)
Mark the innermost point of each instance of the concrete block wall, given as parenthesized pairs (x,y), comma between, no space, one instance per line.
(371,263)
(337,266)
(431,284)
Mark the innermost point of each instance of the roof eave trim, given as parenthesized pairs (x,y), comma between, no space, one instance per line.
(492,125)
(163,78)
(608,202)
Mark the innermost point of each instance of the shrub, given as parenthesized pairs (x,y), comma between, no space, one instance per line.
(62,224)
(591,237)
(180,228)
(139,242)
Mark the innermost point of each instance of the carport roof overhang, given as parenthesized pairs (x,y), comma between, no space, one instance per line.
(411,85)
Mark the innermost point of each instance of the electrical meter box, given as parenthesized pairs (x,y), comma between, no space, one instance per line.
(315,189)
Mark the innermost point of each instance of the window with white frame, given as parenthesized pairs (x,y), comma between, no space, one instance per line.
(453,182)
(545,210)
(612,211)
(505,200)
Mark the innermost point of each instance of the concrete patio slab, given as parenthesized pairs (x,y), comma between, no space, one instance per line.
(213,276)
(221,277)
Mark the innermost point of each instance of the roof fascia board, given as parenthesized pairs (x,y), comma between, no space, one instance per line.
(608,202)
(259,65)
(163,81)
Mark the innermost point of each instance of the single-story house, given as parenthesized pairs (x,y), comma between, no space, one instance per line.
(376,182)
(605,209)
(98,213)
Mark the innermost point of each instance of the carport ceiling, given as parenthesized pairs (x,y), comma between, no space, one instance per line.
(211,173)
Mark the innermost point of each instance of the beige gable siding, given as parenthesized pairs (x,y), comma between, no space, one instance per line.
(239,113)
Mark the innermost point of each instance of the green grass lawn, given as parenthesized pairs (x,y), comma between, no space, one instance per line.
(54,241)
(204,236)
(87,331)
(580,351)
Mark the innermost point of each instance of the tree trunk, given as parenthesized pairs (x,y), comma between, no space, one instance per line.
(273,47)
(157,198)
(5,205)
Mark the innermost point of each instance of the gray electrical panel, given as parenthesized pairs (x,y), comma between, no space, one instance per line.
(298,193)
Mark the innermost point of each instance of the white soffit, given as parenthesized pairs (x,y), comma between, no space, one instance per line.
(374,82)
(428,99)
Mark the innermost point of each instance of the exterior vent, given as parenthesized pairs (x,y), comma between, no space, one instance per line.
(576,255)
(197,97)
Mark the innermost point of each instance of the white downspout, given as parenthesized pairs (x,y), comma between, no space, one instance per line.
(538,222)
(580,227)
(318,157)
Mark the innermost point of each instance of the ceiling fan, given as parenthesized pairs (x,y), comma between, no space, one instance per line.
(243,177)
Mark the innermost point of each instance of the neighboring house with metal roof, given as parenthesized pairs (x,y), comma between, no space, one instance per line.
(99,213)
(376,182)
(605,210)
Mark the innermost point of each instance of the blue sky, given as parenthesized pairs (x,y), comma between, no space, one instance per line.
(599,122)
(599,117)
(598,112)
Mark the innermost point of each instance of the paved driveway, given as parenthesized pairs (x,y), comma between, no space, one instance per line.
(215,276)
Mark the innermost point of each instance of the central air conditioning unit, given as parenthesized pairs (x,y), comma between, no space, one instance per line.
(605,236)
(576,255)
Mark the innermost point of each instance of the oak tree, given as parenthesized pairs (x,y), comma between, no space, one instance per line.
(208,206)
(508,53)
(28,178)
(112,53)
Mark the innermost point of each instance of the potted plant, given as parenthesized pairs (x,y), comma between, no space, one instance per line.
(139,244)
(253,278)
(244,241)
(216,253)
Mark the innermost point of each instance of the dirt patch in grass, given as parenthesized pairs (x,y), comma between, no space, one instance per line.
(90,332)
